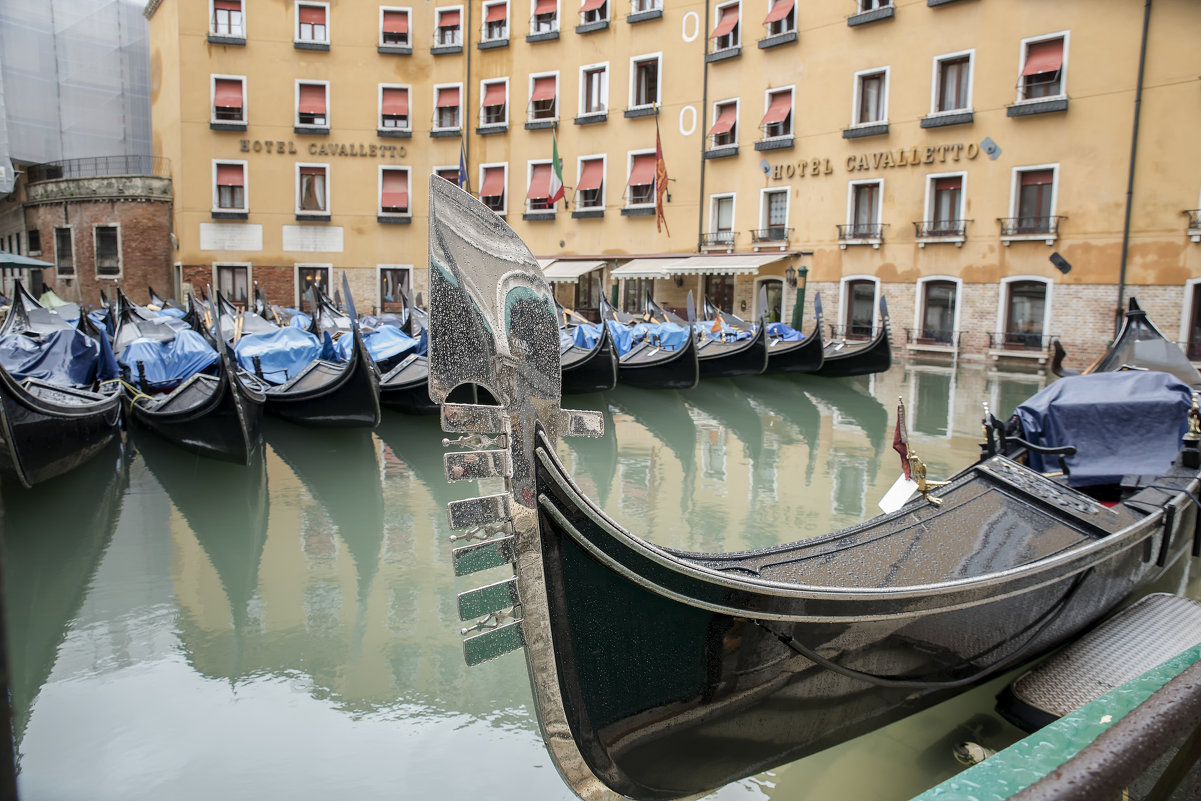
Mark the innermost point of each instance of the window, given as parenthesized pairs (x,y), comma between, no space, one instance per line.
(773,215)
(311,104)
(394,282)
(64,258)
(953,81)
(644,6)
(394,190)
(641,185)
(538,196)
(1036,194)
(634,292)
(872,5)
(308,276)
(782,18)
(494,107)
(311,25)
(543,98)
(587,290)
(108,249)
(721,215)
(233,282)
(777,121)
(865,210)
(860,308)
(312,187)
(545,18)
(726,34)
(1025,313)
(228,99)
(938,311)
(590,189)
(946,205)
(719,289)
(594,11)
(594,89)
(446,105)
(1042,68)
(449,173)
(229,192)
(394,108)
(34,237)
(492,187)
(644,81)
(394,27)
(496,21)
(227,19)
(724,132)
(449,30)
(871,97)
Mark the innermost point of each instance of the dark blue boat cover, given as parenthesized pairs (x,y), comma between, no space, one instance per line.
(1124,423)
(383,343)
(784,332)
(283,353)
(66,357)
(168,362)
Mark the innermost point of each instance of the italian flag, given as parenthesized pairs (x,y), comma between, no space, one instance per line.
(556,172)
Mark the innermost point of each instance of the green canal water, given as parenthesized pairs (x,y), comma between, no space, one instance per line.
(184,629)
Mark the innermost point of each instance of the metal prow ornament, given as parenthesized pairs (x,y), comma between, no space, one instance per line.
(914,467)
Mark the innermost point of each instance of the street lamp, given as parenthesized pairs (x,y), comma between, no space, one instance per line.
(790,276)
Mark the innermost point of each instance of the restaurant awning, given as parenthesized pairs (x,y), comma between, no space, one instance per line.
(645,268)
(739,264)
(570,270)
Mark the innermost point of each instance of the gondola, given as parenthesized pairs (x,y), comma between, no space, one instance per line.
(156,301)
(650,366)
(659,674)
(49,427)
(591,369)
(405,387)
(801,356)
(874,356)
(731,358)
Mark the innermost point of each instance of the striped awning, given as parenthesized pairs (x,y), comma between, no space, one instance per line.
(737,264)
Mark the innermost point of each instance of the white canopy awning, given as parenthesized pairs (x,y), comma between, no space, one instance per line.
(737,264)
(645,268)
(569,271)
(544,263)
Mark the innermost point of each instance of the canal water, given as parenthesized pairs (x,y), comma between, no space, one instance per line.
(185,629)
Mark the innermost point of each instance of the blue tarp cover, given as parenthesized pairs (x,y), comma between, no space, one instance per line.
(66,357)
(1123,423)
(168,362)
(383,343)
(282,353)
(784,332)
(585,335)
(623,336)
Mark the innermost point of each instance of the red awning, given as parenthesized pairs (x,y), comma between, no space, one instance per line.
(394,193)
(643,170)
(448,19)
(779,11)
(312,99)
(544,88)
(1037,177)
(228,5)
(227,94)
(778,111)
(496,13)
(592,176)
(729,18)
(396,22)
(539,182)
(591,5)
(545,7)
(395,102)
(494,94)
(313,14)
(448,97)
(230,175)
(494,182)
(941,184)
(725,120)
(1043,57)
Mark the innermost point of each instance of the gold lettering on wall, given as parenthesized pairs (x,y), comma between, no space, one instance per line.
(338,149)
(879,160)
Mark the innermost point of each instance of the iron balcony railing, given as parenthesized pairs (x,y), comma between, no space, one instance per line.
(771,234)
(1037,226)
(99,167)
(861,231)
(718,239)
(1019,340)
(933,229)
(852,331)
(932,336)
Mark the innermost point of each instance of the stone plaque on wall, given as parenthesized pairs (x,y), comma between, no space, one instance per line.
(229,236)
(313,239)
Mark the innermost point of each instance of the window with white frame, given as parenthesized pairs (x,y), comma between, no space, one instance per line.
(645,6)
(229,98)
(773,215)
(721,219)
(1034,200)
(724,132)
(644,81)
(233,282)
(545,18)
(1043,63)
(594,11)
(309,276)
(394,190)
(1025,303)
(590,188)
(449,29)
(871,97)
(496,21)
(107,240)
(936,313)
(859,307)
(945,214)
(229,186)
(494,107)
(227,19)
(312,24)
(312,188)
(448,173)
(311,104)
(64,251)
(781,18)
(641,184)
(394,282)
(594,89)
(544,90)
(863,216)
(777,120)
(446,107)
(727,33)
(952,83)
(493,178)
(394,27)
(538,195)
(872,5)
(394,108)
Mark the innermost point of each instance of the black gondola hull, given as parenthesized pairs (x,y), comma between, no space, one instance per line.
(871,357)
(331,395)
(651,368)
(406,387)
(592,370)
(804,356)
(732,359)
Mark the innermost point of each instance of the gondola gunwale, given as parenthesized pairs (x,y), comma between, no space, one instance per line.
(740,358)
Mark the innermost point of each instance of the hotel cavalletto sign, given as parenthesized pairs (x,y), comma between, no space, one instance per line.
(879,160)
(351,150)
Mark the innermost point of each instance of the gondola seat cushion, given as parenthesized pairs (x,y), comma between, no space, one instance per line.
(1123,423)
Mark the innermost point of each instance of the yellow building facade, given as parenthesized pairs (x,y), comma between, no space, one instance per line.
(996,170)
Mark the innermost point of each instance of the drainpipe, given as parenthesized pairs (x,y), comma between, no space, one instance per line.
(465,108)
(1138,102)
(700,214)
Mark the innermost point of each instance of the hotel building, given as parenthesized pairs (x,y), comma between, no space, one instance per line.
(1002,172)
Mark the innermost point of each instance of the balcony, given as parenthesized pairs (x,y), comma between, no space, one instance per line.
(1194,224)
(718,240)
(945,231)
(1024,229)
(861,234)
(854,332)
(932,341)
(99,167)
(774,236)
(1020,345)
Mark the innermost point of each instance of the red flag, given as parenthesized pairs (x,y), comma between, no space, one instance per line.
(900,440)
(660,181)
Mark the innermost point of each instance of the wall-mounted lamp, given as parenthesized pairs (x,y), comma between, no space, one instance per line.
(678,280)
(790,277)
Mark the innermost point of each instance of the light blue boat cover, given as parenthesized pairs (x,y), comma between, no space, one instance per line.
(282,353)
(784,332)
(668,336)
(623,336)
(1124,423)
(66,357)
(299,319)
(383,343)
(168,362)
(170,311)
(585,335)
